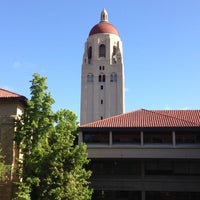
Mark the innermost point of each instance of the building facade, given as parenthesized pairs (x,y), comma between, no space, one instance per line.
(145,155)
(141,155)
(102,78)
(11,106)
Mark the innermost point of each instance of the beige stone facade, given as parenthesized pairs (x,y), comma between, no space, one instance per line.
(145,155)
(11,106)
(102,86)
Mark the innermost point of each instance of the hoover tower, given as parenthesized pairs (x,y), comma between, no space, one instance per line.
(102,80)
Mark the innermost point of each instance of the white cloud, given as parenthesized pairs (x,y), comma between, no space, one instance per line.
(17,64)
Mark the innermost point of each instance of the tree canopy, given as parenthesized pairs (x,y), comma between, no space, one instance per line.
(51,165)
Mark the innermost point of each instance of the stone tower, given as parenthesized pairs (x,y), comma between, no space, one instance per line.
(102,84)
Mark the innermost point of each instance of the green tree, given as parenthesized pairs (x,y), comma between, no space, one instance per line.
(52,165)
(4,169)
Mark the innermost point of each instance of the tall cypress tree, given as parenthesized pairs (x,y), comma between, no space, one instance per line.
(51,165)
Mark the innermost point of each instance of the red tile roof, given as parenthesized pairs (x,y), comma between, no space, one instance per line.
(103,27)
(5,95)
(149,118)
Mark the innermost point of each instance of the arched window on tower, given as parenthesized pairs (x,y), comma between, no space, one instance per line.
(90,52)
(102,50)
(113,77)
(102,78)
(90,78)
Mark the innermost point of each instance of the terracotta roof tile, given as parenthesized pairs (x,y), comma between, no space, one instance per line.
(149,118)
(6,94)
(103,27)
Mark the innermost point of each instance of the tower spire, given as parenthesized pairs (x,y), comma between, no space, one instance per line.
(104,15)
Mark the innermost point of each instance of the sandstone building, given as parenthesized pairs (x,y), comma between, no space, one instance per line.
(11,106)
(102,84)
(145,155)
(141,155)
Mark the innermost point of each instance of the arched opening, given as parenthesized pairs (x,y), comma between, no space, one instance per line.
(102,50)
(90,52)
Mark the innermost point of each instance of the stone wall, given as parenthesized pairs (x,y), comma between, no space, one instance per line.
(8,112)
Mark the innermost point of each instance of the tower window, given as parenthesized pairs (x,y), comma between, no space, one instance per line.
(101,117)
(102,78)
(101,101)
(101,67)
(113,77)
(90,52)
(102,50)
(90,78)
(101,87)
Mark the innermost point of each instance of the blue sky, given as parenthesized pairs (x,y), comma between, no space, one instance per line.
(161,45)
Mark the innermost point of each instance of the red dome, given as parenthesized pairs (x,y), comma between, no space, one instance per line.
(103,27)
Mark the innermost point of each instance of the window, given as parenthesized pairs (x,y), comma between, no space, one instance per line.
(102,50)
(101,87)
(101,67)
(187,137)
(89,52)
(156,195)
(158,167)
(172,167)
(163,137)
(90,78)
(102,78)
(126,137)
(115,167)
(113,77)
(96,137)
(101,101)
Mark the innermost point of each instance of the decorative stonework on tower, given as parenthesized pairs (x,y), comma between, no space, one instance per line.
(102,84)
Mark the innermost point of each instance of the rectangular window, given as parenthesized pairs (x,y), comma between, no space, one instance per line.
(96,137)
(126,137)
(115,167)
(101,87)
(187,137)
(163,137)
(172,195)
(158,167)
(172,167)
